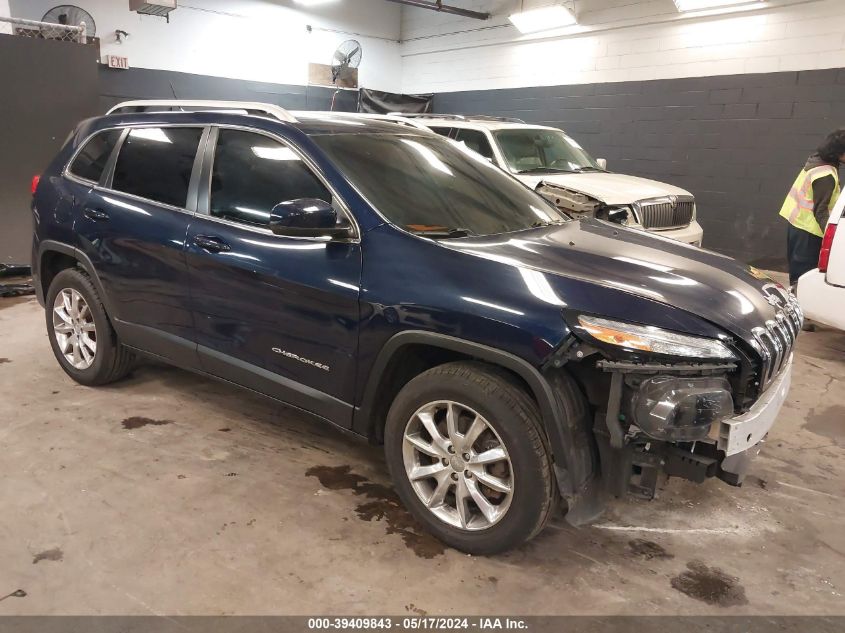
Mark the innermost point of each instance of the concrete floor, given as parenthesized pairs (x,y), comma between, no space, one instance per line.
(171,494)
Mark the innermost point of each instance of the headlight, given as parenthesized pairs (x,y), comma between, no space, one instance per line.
(647,338)
(681,408)
(620,215)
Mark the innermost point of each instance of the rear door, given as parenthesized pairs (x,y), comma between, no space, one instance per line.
(133,226)
(276,314)
(83,173)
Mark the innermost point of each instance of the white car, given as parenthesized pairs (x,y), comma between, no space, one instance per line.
(821,292)
(552,163)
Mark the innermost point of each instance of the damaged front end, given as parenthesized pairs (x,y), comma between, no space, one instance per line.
(655,417)
(580,205)
(665,420)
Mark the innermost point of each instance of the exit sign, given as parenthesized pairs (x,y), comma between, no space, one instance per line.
(121,63)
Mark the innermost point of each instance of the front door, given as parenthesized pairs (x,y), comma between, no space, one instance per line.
(276,314)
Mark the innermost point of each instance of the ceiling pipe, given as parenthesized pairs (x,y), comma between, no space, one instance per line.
(437,5)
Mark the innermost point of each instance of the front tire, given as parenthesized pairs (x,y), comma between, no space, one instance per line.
(83,340)
(469,458)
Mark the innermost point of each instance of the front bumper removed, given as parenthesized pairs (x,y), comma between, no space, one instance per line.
(742,437)
(639,463)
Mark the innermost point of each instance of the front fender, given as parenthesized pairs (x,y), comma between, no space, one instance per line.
(563,408)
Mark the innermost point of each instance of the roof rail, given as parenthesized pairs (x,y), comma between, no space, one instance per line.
(460,117)
(159,105)
(503,119)
(390,118)
(428,115)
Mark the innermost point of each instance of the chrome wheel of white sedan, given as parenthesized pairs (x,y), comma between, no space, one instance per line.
(458,465)
(74,328)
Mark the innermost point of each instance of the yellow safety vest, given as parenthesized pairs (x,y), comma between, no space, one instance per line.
(798,206)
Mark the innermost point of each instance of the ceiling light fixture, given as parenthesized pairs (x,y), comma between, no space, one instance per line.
(702,5)
(543,18)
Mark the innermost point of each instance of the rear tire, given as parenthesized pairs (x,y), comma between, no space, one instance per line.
(469,458)
(81,335)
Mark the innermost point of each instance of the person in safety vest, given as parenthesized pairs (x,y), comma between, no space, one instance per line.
(808,204)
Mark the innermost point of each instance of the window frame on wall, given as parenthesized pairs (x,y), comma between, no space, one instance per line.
(203,202)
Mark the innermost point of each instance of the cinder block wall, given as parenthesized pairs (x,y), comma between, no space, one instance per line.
(616,40)
(737,141)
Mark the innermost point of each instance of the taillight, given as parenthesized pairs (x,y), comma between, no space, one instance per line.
(35,181)
(827,243)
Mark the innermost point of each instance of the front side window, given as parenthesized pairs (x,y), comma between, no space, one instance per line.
(476,141)
(156,163)
(253,173)
(430,185)
(530,150)
(91,161)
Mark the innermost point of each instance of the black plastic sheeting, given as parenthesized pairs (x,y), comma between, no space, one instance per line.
(17,288)
(378,102)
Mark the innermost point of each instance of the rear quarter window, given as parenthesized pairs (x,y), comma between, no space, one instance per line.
(91,160)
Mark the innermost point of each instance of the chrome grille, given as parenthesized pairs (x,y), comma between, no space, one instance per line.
(670,212)
(774,341)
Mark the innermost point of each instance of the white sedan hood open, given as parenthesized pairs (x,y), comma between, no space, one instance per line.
(612,189)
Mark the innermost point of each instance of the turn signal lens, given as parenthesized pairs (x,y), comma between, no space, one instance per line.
(648,338)
(613,336)
(827,244)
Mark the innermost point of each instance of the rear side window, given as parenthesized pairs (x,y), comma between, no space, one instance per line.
(91,161)
(443,131)
(253,173)
(156,163)
(476,141)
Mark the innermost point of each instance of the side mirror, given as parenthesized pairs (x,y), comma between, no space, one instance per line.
(601,162)
(307,217)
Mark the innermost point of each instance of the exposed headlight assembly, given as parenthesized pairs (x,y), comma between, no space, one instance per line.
(679,408)
(647,338)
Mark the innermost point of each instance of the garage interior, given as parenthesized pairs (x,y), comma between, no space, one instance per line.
(171,494)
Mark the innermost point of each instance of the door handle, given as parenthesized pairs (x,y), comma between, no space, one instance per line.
(98,215)
(211,244)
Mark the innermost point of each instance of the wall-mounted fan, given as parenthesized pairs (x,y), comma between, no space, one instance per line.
(347,57)
(69,15)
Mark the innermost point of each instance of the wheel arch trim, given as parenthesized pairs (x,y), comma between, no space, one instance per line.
(52,246)
(561,440)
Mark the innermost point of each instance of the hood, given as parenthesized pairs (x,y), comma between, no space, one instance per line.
(711,286)
(612,189)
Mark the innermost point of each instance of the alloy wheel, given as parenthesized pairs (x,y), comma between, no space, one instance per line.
(74,328)
(458,465)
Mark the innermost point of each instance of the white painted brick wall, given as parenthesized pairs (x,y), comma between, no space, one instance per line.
(260,40)
(492,54)
(5,12)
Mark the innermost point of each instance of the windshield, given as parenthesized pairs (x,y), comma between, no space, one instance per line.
(430,185)
(543,151)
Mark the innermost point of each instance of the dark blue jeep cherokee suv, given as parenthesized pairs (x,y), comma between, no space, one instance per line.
(400,286)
